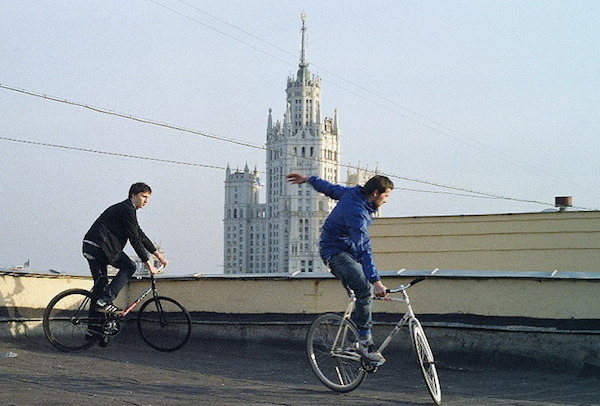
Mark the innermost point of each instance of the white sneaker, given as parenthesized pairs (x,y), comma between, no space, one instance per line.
(105,307)
(367,349)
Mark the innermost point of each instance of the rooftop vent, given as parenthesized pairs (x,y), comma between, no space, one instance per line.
(563,202)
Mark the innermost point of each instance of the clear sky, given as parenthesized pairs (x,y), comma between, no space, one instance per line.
(500,98)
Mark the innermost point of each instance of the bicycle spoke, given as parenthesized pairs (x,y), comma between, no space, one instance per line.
(164,324)
(426,361)
(335,363)
(70,323)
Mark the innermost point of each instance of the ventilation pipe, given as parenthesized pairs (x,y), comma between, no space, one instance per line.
(563,202)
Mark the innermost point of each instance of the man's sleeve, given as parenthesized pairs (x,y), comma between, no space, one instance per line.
(138,240)
(327,188)
(147,242)
(359,236)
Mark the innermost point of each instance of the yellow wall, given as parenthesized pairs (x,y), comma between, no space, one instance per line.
(516,243)
(493,265)
(507,297)
(24,291)
(23,299)
(248,295)
(567,241)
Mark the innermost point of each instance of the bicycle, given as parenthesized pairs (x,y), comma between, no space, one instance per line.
(332,345)
(71,323)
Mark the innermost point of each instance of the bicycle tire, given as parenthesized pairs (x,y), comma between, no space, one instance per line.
(164,324)
(337,365)
(425,360)
(67,320)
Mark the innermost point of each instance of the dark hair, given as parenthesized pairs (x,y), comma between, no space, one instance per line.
(139,188)
(378,183)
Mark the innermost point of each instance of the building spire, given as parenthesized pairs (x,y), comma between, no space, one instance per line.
(270,121)
(303,62)
(303,72)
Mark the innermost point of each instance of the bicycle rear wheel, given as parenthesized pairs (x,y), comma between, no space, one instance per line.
(164,324)
(426,360)
(69,324)
(332,353)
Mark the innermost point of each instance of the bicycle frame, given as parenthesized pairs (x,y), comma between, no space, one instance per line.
(408,315)
(334,353)
(137,301)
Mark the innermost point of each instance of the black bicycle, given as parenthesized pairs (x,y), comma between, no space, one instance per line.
(71,323)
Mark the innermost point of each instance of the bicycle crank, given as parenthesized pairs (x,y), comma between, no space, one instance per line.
(111,327)
(369,366)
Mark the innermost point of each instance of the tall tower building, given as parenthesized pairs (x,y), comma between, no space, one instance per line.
(245,249)
(282,235)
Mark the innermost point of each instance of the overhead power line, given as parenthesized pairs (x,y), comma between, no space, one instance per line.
(193,164)
(131,117)
(375,98)
(469,192)
(96,151)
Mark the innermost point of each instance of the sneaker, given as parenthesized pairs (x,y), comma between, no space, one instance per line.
(367,349)
(103,306)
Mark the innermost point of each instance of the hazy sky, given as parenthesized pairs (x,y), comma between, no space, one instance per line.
(499,98)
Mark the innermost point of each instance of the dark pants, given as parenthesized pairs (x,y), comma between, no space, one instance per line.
(98,264)
(351,274)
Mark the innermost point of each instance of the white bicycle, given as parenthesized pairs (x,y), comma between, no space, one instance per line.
(332,345)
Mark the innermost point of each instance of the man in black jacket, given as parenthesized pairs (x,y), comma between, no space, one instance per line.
(104,242)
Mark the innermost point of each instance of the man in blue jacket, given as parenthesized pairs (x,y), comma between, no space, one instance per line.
(104,242)
(345,245)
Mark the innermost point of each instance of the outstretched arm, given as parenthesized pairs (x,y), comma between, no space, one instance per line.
(296,178)
(320,185)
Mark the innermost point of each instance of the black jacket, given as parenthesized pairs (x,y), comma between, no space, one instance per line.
(117,225)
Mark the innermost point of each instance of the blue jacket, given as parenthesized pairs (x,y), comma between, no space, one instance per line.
(345,229)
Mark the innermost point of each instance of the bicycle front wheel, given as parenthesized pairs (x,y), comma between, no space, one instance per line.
(70,324)
(426,360)
(164,324)
(331,343)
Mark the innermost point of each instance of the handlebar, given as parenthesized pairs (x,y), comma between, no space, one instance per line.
(404,287)
(159,270)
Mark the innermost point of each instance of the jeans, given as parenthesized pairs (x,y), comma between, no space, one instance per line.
(98,263)
(351,274)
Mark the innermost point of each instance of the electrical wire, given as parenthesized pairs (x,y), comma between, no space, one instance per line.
(131,117)
(387,104)
(169,161)
(422,120)
(96,151)
(468,192)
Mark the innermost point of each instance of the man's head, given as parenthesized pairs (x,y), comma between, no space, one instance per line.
(139,193)
(378,189)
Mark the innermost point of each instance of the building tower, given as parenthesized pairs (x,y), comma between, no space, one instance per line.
(289,223)
(244,222)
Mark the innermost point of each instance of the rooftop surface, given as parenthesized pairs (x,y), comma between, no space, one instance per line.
(229,373)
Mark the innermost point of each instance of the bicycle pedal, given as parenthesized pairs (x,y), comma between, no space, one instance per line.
(372,364)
